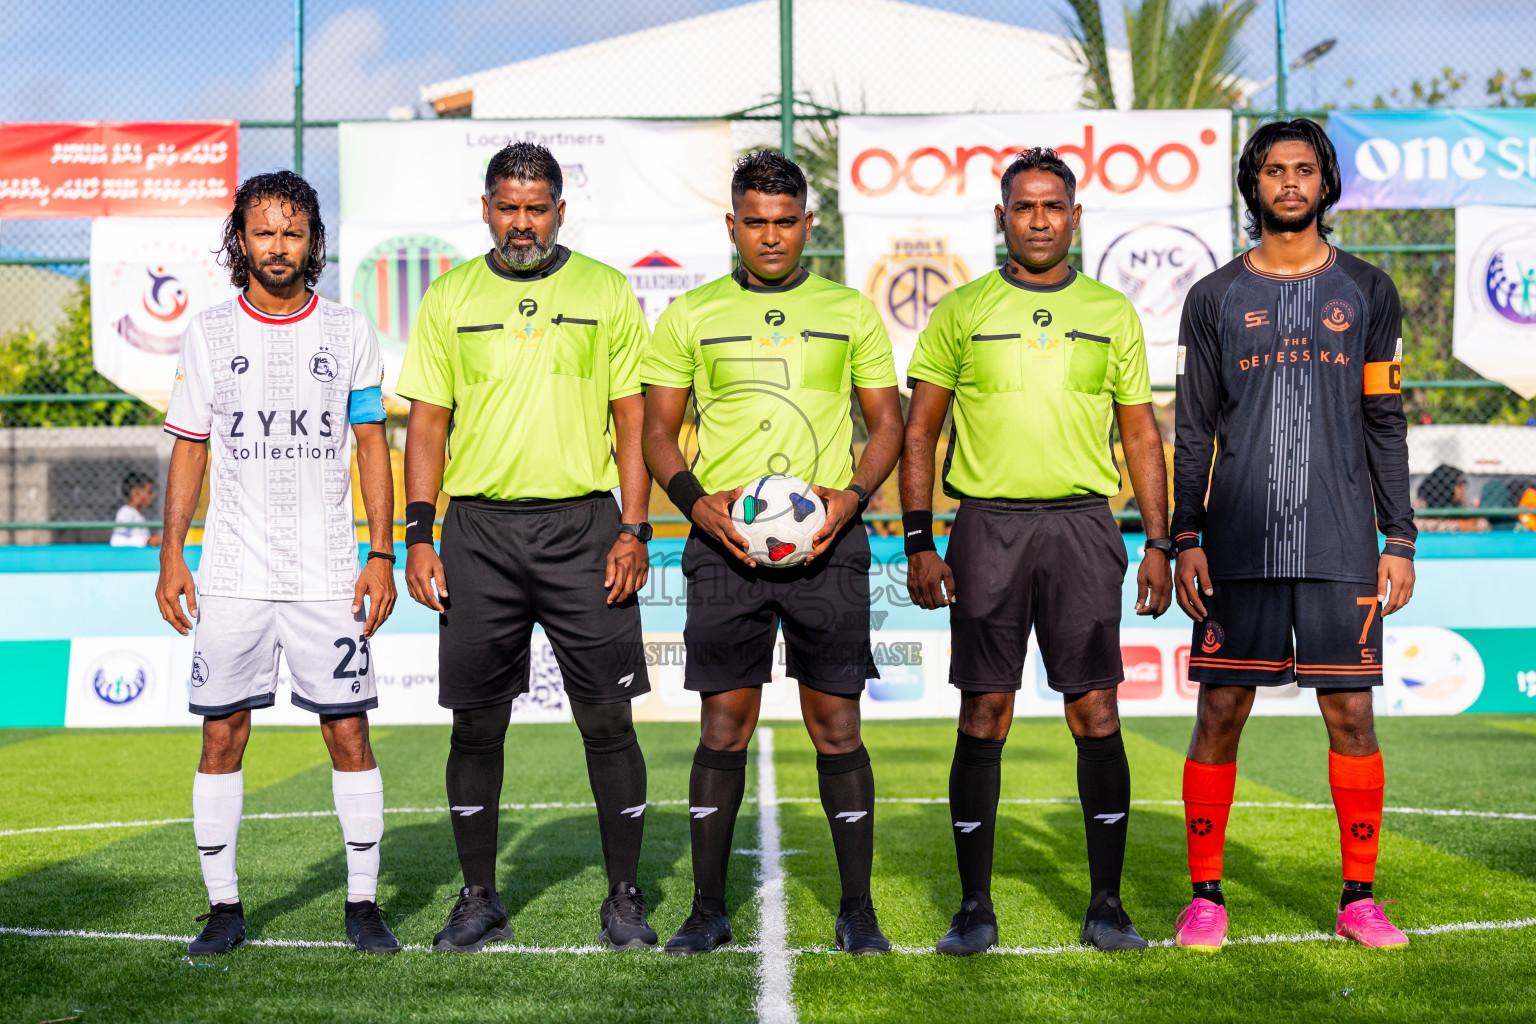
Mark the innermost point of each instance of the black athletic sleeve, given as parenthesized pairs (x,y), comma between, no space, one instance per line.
(1386,427)
(1197,404)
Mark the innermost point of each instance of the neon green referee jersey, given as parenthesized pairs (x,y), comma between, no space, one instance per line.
(772,371)
(528,363)
(1036,372)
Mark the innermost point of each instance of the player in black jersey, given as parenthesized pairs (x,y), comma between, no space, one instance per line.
(1290,373)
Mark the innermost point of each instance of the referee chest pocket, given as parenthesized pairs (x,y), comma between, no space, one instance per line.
(1087,362)
(823,360)
(997,362)
(573,345)
(727,361)
(482,353)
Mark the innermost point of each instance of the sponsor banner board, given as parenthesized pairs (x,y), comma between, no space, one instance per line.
(149,277)
(400,231)
(1425,159)
(1494,315)
(1155,262)
(118,168)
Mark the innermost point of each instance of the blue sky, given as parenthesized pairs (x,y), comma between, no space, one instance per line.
(167,59)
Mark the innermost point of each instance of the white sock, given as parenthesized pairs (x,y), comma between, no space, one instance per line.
(360,806)
(216,804)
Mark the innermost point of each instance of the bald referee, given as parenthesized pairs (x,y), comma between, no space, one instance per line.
(528,354)
(1040,363)
(774,357)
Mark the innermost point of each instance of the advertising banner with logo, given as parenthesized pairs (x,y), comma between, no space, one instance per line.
(1425,159)
(917,195)
(118,168)
(1155,261)
(648,198)
(149,277)
(1494,317)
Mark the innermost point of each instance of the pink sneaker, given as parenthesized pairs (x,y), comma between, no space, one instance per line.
(1203,925)
(1364,922)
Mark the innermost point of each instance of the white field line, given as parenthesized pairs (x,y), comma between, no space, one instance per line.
(1436,812)
(1246,940)
(775,971)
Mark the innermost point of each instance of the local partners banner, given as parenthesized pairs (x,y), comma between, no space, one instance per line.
(1418,159)
(1494,317)
(648,198)
(917,196)
(149,277)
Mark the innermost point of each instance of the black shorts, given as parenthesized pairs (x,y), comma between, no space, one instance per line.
(1055,565)
(734,614)
(513,564)
(1245,639)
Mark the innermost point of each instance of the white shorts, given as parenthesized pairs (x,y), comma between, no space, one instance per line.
(236,647)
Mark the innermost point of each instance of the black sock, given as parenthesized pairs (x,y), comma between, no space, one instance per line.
(1211,890)
(1355,891)
(714,796)
(975,781)
(1104,789)
(616,770)
(847,786)
(475,767)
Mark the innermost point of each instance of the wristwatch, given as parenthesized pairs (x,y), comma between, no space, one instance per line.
(1162,544)
(640,531)
(861,494)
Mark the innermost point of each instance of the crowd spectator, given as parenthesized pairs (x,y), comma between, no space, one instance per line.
(138,498)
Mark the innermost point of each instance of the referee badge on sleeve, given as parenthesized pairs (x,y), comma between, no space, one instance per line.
(1180,371)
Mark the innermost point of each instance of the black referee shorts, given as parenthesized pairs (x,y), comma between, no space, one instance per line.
(1247,636)
(734,615)
(511,564)
(1055,565)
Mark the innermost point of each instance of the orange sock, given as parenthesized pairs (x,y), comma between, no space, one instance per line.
(1357,784)
(1207,802)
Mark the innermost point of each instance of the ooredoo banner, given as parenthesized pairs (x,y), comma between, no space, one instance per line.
(1424,159)
(1494,317)
(118,168)
(647,198)
(149,277)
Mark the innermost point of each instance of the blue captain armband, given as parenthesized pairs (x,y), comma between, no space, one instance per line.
(367,406)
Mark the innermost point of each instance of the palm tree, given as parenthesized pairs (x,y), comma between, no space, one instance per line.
(1179,59)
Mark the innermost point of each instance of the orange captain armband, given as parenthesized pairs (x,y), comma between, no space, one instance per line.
(1383,378)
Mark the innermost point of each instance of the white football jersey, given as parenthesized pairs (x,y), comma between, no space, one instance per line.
(271,396)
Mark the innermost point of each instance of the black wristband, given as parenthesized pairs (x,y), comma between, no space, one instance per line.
(1184,541)
(684,489)
(388,556)
(917,532)
(419,518)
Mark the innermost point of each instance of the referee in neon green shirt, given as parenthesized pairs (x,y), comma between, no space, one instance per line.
(773,357)
(1040,363)
(528,354)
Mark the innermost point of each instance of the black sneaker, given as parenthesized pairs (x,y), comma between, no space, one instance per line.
(367,931)
(224,931)
(623,919)
(1107,927)
(476,919)
(708,927)
(973,930)
(857,930)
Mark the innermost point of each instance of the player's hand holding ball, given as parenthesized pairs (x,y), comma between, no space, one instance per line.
(841,507)
(376,583)
(424,577)
(930,583)
(712,514)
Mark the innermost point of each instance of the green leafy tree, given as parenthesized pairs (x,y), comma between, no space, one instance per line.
(33,365)
(1180,60)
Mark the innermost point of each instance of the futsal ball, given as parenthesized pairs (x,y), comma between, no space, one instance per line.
(778,515)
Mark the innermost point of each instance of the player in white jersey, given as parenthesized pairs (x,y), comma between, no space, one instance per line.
(268,388)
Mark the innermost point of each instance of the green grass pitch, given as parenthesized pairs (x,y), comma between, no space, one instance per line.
(141,881)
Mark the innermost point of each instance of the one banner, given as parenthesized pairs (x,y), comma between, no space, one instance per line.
(1494,316)
(1131,160)
(118,168)
(1419,159)
(648,198)
(906,264)
(149,277)
(1155,262)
